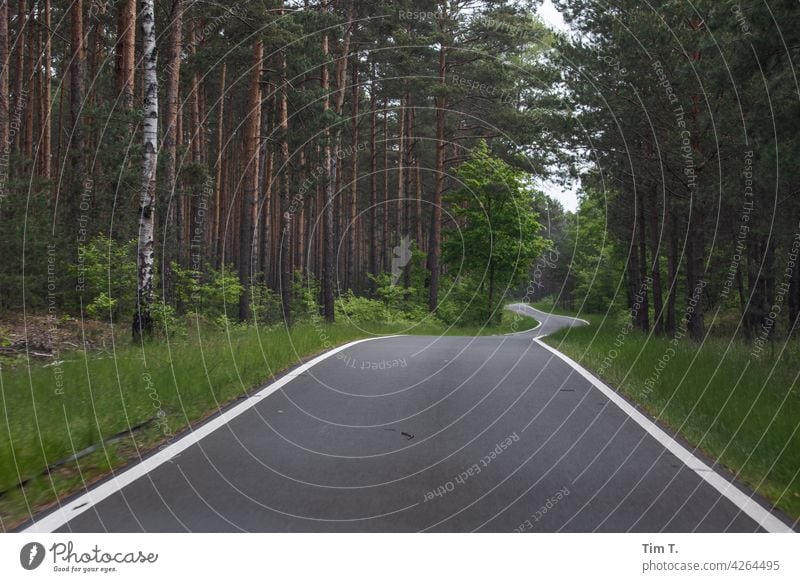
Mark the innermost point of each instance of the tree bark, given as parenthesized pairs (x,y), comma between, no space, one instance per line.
(77,73)
(694,269)
(286,215)
(218,194)
(401,163)
(332,158)
(434,247)
(353,202)
(170,135)
(246,219)
(19,77)
(4,110)
(644,310)
(197,137)
(655,267)
(262,192)
(385,258)
(143,319)
(373,184)
(126,52)
(46,142)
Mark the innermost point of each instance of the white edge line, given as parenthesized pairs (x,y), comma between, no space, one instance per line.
(540,312)
(745,503)
(537,326)
(74,508)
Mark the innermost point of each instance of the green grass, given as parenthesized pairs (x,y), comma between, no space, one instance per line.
(46,419)
(742,411)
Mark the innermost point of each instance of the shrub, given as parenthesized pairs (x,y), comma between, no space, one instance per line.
(107,269)
(350,307)
(212,293)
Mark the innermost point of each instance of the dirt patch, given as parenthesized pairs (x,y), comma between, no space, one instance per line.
(45,338)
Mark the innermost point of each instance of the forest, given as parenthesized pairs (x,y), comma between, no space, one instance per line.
(179,173)
(264,160)
(261,161)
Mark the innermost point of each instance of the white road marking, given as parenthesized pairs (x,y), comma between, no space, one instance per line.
(537,326)
(74,508)
(741,500)
(539,313)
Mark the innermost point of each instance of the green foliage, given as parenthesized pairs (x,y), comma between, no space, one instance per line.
(265,305)
(166,320)
(496,237)
(305,296)
(355,309)
(106,276)
(211,293)
(463,304)
(101,306)
(597,267)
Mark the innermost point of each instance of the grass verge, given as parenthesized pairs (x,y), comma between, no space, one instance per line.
(51,412)
(742,411)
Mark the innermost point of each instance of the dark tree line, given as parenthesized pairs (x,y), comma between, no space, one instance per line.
(685,115)
(296,143)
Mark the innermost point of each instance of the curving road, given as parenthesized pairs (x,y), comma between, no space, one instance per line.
(414,433)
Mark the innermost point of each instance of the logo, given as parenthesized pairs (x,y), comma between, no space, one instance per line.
(31,555)
(402,256)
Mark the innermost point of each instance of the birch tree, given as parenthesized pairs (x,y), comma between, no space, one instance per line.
(143,318)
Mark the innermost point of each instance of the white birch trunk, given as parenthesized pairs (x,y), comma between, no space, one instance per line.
(143,319)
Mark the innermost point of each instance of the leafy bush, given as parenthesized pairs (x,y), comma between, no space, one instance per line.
(212,293)
(461,303)
(106,274)
(166,320)
(305,294)
(350,307)
(265,305)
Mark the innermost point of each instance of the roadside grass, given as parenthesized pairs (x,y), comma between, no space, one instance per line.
(740,410)
(52,412)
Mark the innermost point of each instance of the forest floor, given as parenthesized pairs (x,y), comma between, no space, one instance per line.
(71,417)
(738,409)
(43,338)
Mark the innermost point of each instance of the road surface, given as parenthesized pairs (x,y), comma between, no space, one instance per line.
(413,433)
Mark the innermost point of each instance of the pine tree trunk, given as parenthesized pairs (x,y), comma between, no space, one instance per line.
(352,248)
(386,259)
(194,248)
(672,268)
(19,76)
(262,190)
(170,134)
(655,268)
(695,265)
(252,127)
(418,216)
(327,221)
(143,319)
(4,110)
(126,52)
(28,81)
(434,247)
(46,127)
(77,72)
(286,215)
(218,194)
(401,163)
(340,74)
(373,184)
(644,308)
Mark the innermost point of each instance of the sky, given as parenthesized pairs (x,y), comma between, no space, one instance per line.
(567,195)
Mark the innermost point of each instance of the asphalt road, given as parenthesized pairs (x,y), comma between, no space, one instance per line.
(422,433)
